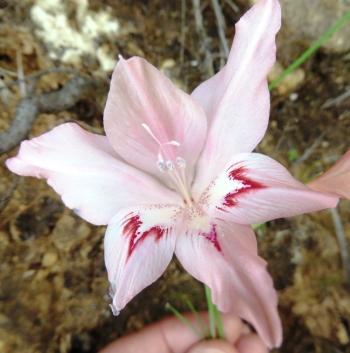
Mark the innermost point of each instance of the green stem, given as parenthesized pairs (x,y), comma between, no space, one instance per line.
(211,312)
(216,326)
(311,50)
(219,323)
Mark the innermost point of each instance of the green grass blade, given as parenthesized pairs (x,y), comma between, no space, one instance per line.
(311,50)
(183,319)
(199,320)
(211,312)
(219,323)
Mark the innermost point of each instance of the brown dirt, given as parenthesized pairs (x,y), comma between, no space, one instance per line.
(53,282)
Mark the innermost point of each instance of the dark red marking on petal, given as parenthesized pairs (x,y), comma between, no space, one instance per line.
(212,236)
(132,231)
(240,174)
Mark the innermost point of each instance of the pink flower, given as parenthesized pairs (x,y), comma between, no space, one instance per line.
(176,173)
(336,180)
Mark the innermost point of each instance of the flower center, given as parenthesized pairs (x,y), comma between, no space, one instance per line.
(171,164)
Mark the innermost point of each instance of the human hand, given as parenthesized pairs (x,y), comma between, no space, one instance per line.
(172,336)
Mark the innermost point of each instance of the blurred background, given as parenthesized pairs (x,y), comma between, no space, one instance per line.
(53,284)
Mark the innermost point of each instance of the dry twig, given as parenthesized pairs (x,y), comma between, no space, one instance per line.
(310,150)
(233,6)
(36,76)
(205,43)
(4,71)
(342,242)
(20,74)
(221,25)
(183,31)
(337,101)
(29,108)
(6,197)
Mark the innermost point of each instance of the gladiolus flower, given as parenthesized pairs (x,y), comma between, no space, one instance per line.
(176,173)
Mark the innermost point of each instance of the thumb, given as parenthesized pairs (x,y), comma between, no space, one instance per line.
(213,346)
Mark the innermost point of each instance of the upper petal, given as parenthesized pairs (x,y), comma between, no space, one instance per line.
(84,169)
(237,100)
(226,260)
(147,119)
(139,244)
(255,188)
(336,180)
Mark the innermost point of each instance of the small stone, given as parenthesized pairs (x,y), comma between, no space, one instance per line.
(28,274)
(69,233)
(342,335)
(49,259)
(168,64)
(4,319)
(3,346)
(293,81)
(273,124)
(4,240)
(293,97)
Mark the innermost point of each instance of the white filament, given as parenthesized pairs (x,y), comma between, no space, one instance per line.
(174,169)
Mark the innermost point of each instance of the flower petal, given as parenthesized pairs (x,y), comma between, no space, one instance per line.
(237,99)
(139,245)
(235,273)
(336,180)
(147,119)
(255,188)
(84,169)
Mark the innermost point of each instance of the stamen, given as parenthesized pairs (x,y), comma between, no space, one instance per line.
(170,165)
(174,166)
(173,143)
(147,128)
(180,162)
(161,166)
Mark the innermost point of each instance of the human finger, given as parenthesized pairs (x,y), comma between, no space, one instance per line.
(172,335)
(251,343)
(213,346)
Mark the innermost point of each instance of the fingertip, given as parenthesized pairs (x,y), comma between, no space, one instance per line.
(233,327)
(213,346)
(178,335)
(251,343)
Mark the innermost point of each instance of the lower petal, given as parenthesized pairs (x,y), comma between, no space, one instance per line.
(255,188)
(139,244)
(227,261)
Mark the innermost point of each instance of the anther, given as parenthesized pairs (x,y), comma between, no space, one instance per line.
(180,162)
(162,166)
(170,165)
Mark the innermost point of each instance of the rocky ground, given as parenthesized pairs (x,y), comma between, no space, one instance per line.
(53,282)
